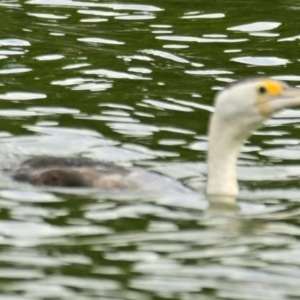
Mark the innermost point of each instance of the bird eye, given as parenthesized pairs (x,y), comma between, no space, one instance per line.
(262,90)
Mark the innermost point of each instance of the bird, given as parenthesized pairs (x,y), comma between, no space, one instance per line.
(239,109)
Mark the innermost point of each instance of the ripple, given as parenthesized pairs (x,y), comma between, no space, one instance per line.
(47,16)
(93,20)
(41,289)
(164,105)
(198,146)
(14,42)
(63,131)
(132,256)
(264,34)
(114,74)
(210,253)
(19,274)
(15,70)
(207,72)
(178,130)
(20,96)
(29,196)
(94,86)
(165,54)
(171,142)
(284,154)
(129,58)
(168,284)
(71,81)
(12,5)
(116,113)
(214,35)
(140,70)
(57,33)
(175,46)
(116,105)
(283,142)
(145,150)
(256,26)
(11,52)
(261,61)
(85,283)
(115,6)
(136,17)
(55,110)
(133,129)
(232,50)
(100,41)
(99,13)
(290,39)
(67,141)
(287,77)
(16,113)
(204,16)
(190,103)
(81,84)
(114,154)
(178,38)
(49,57)
(76,66)
(31,230)
(121,119)
(37,259)
(162,31)
(127,212)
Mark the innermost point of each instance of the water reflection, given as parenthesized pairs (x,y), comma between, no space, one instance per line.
(222,205)
(225,214)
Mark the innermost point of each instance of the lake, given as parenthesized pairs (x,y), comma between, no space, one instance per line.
(133,83)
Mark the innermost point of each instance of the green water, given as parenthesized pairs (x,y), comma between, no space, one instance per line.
(133,83)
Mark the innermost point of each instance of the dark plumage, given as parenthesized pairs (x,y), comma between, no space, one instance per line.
(69,172)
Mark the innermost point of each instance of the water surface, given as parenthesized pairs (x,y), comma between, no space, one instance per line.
(133,83)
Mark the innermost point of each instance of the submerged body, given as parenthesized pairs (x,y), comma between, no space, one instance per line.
(240,108)
(69,171)
(85,172)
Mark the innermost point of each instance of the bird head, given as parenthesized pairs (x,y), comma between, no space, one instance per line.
(241,108)
(247,103)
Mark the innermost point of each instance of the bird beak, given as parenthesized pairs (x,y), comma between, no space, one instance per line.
(288,97)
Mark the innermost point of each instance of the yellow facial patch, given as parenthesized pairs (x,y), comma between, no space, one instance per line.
(272,88)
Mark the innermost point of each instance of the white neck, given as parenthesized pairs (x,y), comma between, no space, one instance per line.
(224,147)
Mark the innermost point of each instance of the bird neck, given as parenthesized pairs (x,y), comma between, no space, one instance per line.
(224,147)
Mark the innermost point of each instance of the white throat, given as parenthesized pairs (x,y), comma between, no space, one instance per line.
(224,147)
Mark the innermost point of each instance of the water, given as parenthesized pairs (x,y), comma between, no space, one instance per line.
(132,83)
